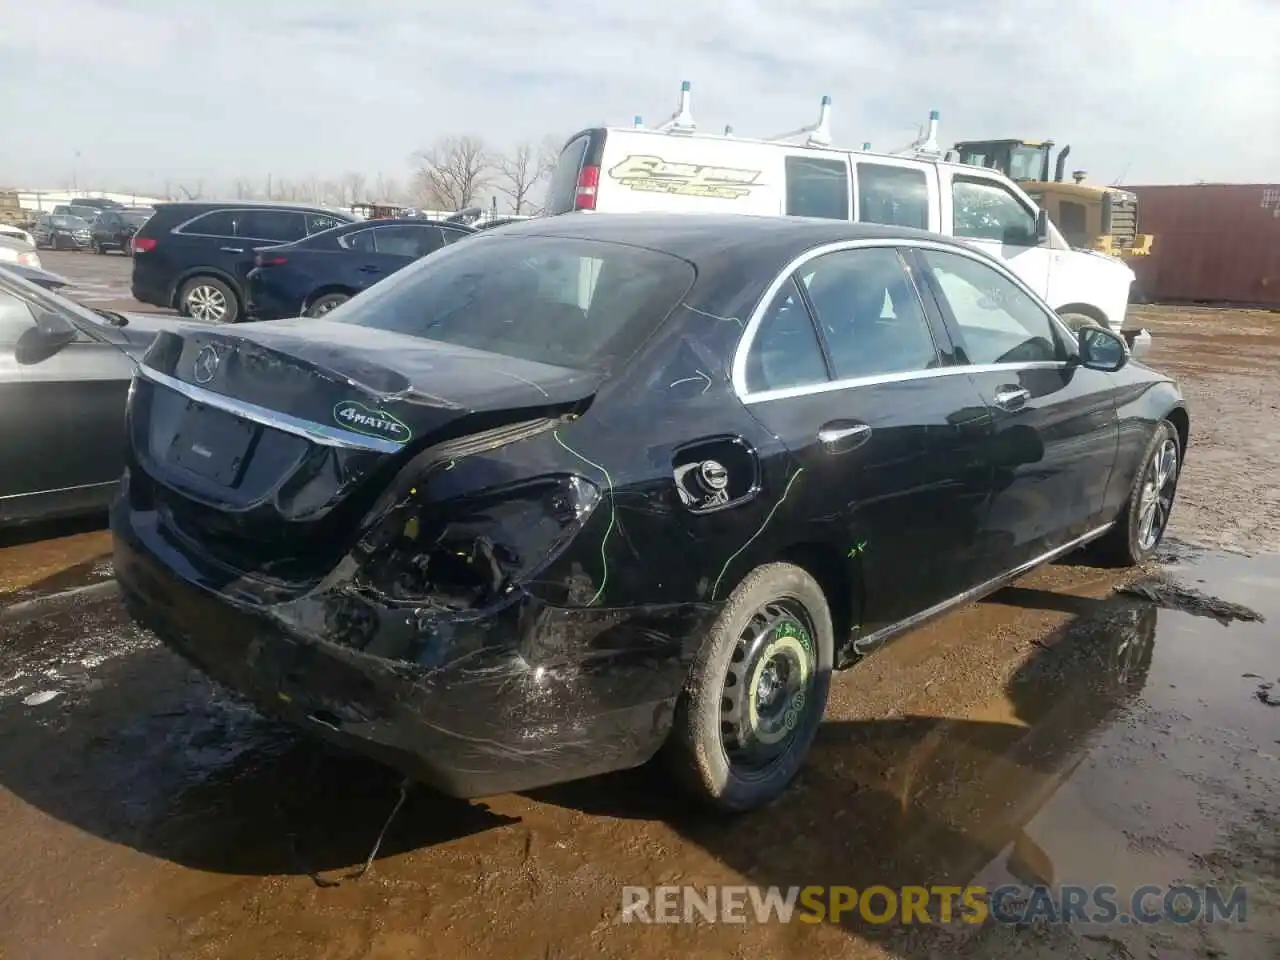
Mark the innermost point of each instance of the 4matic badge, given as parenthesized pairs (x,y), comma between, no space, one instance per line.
(372,423)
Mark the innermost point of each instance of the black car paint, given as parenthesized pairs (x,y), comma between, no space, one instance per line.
(285,280)
(62,412)
(159,274)
(114,228)
(574,667)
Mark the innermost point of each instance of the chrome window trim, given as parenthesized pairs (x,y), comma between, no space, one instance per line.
(320,433)
(181,229)
(745,342)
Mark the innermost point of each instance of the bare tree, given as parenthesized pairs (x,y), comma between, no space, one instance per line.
(518,175)
(243,190)
(452,173)
(193,193)
(354,188)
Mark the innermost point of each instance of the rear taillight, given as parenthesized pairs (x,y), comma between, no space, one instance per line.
(272,260)
(585,196)
(144,244)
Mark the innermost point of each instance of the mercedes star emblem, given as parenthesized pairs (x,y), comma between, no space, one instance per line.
(206,365)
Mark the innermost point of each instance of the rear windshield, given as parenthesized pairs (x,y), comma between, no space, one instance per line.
(559,300)
(71,223)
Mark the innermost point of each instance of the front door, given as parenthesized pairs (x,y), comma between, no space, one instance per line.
(846,371)
(1056,426)
(986,214)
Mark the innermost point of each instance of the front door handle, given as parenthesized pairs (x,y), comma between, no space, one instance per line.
(233,249)
(841,436)
(1012,398)
(368,268)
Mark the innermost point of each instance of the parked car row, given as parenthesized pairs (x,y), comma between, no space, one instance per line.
(228,262)
(74,227)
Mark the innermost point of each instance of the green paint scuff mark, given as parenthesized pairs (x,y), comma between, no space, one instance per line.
(604,559)
(735,555)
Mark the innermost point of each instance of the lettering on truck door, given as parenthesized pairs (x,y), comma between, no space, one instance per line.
(987,214)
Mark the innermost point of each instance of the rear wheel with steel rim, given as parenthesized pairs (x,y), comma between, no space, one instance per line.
(1145,517)
(324,304)
(208,299)
(757,691)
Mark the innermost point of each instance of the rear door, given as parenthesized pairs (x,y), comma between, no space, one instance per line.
(390,248)
(1056,430)
(846,368)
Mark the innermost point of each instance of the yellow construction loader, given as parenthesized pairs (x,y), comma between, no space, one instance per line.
(1090,217)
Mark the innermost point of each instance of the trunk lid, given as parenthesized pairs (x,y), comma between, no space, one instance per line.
(266,444)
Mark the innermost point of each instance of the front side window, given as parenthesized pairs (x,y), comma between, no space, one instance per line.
(785,351)
(15,318)
(407,240)
(282,226)
(998,321)
(985,210)
(817,187)
(894,195)
(869,312)
(558,300)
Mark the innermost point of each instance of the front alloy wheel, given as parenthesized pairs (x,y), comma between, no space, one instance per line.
(1158,483)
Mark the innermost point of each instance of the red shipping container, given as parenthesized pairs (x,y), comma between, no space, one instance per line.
(1213,243)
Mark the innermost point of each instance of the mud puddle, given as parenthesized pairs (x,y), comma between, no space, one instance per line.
(1058,733)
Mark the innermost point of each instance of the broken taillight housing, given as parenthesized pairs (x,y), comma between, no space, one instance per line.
(467,553)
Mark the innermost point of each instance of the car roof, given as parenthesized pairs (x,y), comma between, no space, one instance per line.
(205,205)
(699,237)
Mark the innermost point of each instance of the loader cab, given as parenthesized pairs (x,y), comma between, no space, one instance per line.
(1016,159)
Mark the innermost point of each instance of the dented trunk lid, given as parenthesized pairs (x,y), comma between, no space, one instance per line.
(264,445)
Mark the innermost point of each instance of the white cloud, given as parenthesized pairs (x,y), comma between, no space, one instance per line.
(146,90)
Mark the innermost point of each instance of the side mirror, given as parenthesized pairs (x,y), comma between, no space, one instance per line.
(49,335)
(1100,349)
(1042,225)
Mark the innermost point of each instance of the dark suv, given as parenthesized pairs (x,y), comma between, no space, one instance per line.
(114,229)
(192,255)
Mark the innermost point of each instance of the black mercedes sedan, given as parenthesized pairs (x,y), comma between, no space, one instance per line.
(583,491)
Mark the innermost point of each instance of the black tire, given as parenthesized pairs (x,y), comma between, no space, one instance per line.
(1075,321)
(199,299)
(322,305)
(720,748)
(1129,543)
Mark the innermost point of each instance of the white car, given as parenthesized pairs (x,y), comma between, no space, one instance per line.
(16,233)
(14,250)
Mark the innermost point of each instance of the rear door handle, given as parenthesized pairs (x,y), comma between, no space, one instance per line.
(1012,398)
(233,249)
(841,436)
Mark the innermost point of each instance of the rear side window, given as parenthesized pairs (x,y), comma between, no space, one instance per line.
(559,300)
(218,223)
(817,187)
(870,313)
(564,179)
(453,236)
(283,226)
(406,240)
(894,195)
(319,222)
(785,352)
(361,240)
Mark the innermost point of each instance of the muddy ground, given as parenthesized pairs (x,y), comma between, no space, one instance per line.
(1058,732)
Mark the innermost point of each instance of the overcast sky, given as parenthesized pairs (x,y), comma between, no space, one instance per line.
(152,90)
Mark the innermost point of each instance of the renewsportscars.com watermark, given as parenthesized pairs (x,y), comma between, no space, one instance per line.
(934,905)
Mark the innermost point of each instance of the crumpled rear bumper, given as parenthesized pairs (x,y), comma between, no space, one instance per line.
(532,696)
